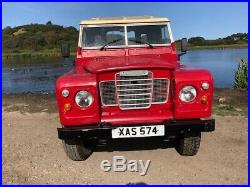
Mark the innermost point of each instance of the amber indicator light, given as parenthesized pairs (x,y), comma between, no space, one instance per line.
(67,107)
(204,99)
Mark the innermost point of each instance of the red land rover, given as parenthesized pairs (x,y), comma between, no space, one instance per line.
(127,82)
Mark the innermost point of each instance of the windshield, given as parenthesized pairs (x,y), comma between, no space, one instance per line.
(99,36)
(152,34)
(137,35)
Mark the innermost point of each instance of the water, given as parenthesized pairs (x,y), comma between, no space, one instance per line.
(38,74)
(33,74)
(222,63)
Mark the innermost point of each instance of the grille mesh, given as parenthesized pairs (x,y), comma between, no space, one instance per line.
(160,90)
(134,92)
(108,95)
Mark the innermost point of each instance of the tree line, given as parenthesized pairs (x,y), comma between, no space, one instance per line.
(49,36)
(38,36)
(238,38)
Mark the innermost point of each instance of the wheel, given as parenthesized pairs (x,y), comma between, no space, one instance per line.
(189,144)
(76,150)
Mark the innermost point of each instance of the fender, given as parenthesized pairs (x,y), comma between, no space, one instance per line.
(194,109)
(75,81)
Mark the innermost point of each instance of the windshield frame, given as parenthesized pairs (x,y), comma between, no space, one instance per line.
(81,44)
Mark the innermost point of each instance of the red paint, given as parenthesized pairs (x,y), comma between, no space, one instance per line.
(75,81)
(93,66)
(194,109)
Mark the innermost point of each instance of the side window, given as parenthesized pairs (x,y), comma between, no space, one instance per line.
(164,35)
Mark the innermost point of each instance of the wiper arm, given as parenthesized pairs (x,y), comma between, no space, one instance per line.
(113,41)
(141,42)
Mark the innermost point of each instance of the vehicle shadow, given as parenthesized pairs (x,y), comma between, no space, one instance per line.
(133,144)
(137,183)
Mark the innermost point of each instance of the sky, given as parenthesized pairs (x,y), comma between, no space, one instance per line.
(210,20)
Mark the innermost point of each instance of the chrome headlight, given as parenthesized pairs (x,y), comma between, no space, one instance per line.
(187,94)
(83,99)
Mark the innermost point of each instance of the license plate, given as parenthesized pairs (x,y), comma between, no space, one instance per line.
(142,131)
(134,73)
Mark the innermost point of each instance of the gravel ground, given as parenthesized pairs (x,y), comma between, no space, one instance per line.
(32,154)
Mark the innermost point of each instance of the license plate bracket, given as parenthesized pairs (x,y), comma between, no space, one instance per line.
(138,131)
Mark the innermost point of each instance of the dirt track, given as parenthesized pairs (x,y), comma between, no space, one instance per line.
(33,154)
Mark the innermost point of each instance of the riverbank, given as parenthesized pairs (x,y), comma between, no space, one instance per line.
(56,52)
(29,53)
(231,102)
(218,46)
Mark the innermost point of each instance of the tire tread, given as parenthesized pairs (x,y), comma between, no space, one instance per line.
(189,145)
(76,150)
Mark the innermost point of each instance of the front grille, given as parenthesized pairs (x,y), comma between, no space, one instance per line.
(134,91)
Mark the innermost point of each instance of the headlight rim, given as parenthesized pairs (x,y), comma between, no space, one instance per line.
(195,95)
(84,107)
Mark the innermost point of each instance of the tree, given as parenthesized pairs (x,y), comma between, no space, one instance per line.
(50,38)
(197,40)
(49,23)
(7,30)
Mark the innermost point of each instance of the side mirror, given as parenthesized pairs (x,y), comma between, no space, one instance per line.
(65,50)
(184,43)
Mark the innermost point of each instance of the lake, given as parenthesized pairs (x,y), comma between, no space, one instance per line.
(38,74)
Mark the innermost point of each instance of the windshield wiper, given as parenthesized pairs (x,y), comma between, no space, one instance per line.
(141,42)
(106,44)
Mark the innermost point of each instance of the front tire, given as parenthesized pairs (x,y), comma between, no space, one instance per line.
(189,144)
(76,150)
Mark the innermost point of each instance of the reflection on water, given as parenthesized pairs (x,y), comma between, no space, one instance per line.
(38,74)
(33,74)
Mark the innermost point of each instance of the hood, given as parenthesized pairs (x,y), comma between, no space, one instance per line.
(105,64)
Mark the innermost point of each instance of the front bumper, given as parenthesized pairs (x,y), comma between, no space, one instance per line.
(103,130)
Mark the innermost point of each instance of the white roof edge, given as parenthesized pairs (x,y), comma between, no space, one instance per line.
(124,20)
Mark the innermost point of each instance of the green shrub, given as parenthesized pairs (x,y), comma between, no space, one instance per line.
(241,76)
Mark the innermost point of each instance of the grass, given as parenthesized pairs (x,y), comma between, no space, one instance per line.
(30,53)
(214,46)
(230,102)
(229,110)
(218,46)
(241,75)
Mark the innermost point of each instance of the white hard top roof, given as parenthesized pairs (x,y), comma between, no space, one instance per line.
(124,20)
